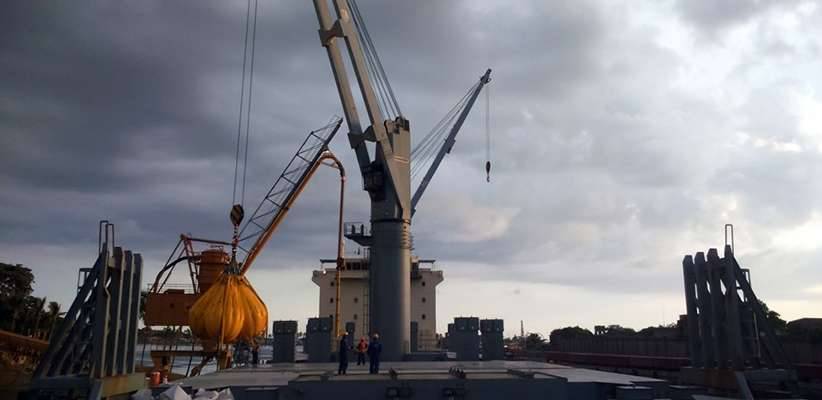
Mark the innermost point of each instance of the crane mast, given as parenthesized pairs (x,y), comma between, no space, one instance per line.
(386,178)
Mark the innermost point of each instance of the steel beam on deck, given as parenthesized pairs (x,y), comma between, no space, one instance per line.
(718,320)
(92,349)
(125,311)
(734,335)
(689,275)
(67,326)
(704,306)
(115,288)
(134,304)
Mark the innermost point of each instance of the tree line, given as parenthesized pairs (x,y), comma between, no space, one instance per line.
(536,341)
(20,312)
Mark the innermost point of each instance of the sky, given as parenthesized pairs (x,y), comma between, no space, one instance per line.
(624,135)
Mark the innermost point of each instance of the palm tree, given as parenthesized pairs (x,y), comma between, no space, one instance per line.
(35,326)
(53,314)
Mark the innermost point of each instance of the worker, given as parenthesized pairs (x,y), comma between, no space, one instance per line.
(362,347)
(374,350)
(255,354)
(241,354)
(343,354)
(165,369)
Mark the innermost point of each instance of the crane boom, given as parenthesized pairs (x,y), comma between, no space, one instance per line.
(449,141)
(391,160)
(288,186)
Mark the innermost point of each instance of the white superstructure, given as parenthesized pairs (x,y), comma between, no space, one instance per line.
(355,296)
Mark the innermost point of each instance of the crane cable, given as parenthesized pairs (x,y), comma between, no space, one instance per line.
(439,127)
(245,106)
(425,151)
(237,212)
(248,110)
(387,100)
(427,148)
(242,99)
(488,134)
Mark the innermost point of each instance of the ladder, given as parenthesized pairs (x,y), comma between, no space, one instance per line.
(366,295)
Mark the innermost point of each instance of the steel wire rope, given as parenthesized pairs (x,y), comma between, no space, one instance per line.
(364,32)
(454,109)
(488,134)
(427,149)
(377,80)
(242,99)
(379,63)
(429,152)
(248,108)
(423,150)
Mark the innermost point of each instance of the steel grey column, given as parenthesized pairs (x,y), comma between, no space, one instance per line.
(390,306)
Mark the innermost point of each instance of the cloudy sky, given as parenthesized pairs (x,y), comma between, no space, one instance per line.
(624,135)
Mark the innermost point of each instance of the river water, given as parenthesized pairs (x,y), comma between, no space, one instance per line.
(181,365)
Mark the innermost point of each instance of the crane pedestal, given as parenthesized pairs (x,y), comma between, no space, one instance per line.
(390,287)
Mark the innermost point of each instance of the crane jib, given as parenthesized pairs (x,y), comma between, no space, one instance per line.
(273,207)
(451,139)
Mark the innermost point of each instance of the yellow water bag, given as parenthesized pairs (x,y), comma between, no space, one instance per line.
(230,304)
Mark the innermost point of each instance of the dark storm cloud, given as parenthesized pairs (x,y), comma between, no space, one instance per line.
(138,99)
(111,99)
(608,164)
(89,89)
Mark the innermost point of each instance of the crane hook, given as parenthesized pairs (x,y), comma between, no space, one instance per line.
(237,214)
(488,171)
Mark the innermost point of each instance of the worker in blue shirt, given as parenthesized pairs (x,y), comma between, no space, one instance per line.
(343,354)
(374,350)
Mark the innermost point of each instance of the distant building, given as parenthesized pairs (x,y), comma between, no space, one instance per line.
(355,298)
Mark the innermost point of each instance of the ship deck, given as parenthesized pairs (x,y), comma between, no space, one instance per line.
(484,379)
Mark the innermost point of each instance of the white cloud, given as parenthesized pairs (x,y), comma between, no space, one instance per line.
(804,237)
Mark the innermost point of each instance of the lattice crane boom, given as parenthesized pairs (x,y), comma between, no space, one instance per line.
(286,188)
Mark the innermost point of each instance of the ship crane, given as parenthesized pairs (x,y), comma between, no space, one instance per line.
(262,223)
(386,177)
(168,304)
